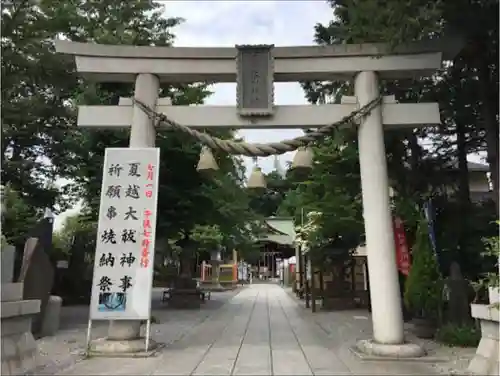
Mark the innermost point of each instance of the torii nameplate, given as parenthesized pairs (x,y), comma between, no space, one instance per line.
(254,80)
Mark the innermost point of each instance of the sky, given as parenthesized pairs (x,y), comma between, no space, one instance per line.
(227,23)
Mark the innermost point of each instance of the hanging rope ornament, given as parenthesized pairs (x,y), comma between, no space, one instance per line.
(303,159)
(207,164)
(256,181)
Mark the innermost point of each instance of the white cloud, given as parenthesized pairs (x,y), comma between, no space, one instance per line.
(227,23)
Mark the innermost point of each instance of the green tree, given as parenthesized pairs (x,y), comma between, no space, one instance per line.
(36,119)
(333,189)
(424,286)
(41,91)
(19,217)
(474,67)
(73,226)
(232,212)
(417,172)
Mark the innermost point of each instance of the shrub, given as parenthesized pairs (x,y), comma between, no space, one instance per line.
(492,251)
(423,288)
(459,335)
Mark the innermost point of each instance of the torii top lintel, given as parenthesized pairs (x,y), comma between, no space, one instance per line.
(120,63)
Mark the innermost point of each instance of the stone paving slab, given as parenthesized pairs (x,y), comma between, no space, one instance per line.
(351,325)
(262,330)
(221,357)
(184,356)
(254,357)
(63,351)
(288,357)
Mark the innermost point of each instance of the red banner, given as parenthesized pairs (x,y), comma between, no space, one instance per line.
(402,252)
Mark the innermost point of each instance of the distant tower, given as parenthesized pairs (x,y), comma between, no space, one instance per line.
(278,167)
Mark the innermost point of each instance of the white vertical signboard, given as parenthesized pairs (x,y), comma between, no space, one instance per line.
(123,266)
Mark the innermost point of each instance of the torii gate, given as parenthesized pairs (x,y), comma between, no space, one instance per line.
(147,67)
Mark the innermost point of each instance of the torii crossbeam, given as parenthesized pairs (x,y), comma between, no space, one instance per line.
(394,115)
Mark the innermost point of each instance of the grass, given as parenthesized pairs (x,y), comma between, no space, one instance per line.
(459,335)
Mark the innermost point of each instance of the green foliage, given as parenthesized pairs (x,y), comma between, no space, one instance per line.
(76,225)
(230,214)
(492,251)
(467,89)
(467,93)
(480,224)
(332,189)
(18,217)
(36,118)
(186,198)
(424,286)
(40,92)
(460,336)
(268,203)
(208,238)
(388,20)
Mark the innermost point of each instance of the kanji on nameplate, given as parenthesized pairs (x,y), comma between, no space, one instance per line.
(123,265)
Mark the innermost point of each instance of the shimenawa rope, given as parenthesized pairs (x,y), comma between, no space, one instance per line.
(258,150)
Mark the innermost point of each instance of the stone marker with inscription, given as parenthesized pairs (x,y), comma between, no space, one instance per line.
(19,348)
(37,271)
(254,80)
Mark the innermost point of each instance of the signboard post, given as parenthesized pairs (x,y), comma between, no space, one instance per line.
(123,263)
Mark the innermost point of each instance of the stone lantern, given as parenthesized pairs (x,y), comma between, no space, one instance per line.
(215,262)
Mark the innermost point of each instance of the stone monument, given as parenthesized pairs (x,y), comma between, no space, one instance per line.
(185,293)
(459,295)
(37,272)
(19,349)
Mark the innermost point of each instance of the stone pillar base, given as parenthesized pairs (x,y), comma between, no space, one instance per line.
(133,348)
(52,317)
(368,348)
(486,360)
(19,348)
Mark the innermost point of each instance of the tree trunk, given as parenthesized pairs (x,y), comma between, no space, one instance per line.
(489,102)
(463,170)
(397,169)
(463,185)
(415,156)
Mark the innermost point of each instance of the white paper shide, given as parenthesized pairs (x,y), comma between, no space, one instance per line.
(123,265)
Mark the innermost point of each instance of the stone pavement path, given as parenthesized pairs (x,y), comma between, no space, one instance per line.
(260,331)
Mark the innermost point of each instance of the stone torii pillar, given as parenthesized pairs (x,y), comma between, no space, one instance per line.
(387,316)
(384,284)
